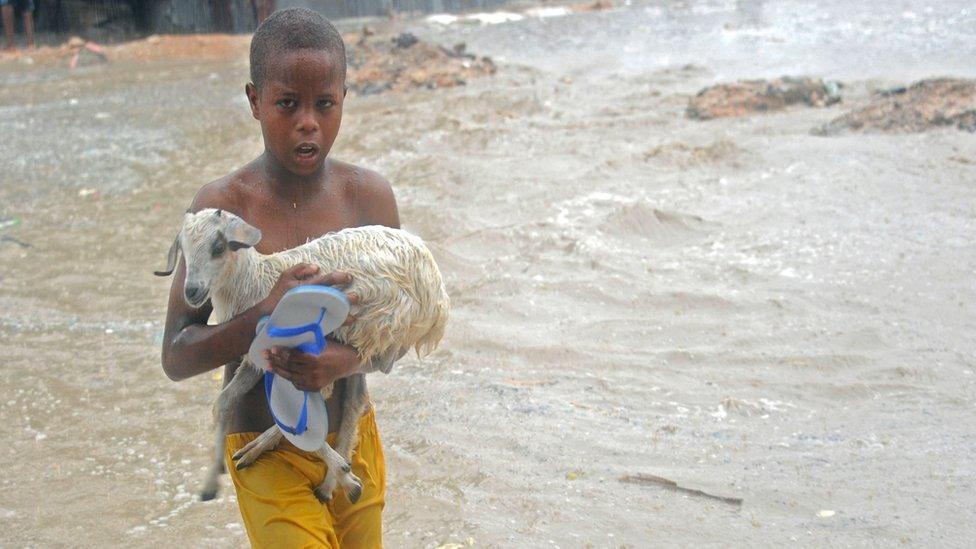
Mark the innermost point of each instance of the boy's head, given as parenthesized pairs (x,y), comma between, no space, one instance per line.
(290,30)
(298,76)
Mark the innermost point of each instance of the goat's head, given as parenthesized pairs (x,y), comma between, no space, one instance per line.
(208,240)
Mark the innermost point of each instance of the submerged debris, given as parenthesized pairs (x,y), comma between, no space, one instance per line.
(378,64)
(684,155)
(926,104)
(752,96)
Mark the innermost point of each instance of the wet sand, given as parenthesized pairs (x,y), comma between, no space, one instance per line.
(736,305)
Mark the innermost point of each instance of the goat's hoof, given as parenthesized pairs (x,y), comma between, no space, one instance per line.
(355,492)
(208,495)
(323,495)
(242,464)
(239,454)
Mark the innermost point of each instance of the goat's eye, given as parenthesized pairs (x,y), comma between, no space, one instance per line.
(218,248)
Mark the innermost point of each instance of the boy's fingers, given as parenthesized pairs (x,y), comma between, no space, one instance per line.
(337,278)
(287,366)
(290,376)
(278,356)
(303,270)
(319,279)
(353,301)
(279,352)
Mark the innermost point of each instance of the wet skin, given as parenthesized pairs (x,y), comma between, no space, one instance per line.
(293,193)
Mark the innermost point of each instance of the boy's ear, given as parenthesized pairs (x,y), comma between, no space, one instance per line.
(251,91)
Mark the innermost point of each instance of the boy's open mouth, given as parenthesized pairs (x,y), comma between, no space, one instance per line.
(307,151)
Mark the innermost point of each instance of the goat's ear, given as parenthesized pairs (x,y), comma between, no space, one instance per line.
(241,235)
(174,251)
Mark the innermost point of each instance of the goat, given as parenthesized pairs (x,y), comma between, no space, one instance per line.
(403,304)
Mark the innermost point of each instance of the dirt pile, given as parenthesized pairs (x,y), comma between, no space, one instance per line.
(376,63)
(384,64)
(751,96)
(926,104)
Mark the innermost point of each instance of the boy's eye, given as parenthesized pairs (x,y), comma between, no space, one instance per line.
(286,103)
(326,103)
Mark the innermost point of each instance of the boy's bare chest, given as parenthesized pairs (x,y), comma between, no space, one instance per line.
(286,228)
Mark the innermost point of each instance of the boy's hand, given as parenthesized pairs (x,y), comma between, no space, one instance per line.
(312,373)
(303,274)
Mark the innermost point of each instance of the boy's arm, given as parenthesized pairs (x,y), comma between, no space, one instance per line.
(191,346)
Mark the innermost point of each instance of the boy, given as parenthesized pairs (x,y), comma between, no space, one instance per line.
(293,192)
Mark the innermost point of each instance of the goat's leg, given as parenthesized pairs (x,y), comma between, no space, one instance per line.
(339,470)
(266,442)
(246,376)
(353,403)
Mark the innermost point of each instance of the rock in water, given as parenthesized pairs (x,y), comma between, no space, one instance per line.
(926,104)
(405,40)
(752,96)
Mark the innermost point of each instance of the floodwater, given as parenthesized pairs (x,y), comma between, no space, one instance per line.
(737,305)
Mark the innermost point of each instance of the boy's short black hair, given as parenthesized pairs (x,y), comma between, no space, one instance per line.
(289,30)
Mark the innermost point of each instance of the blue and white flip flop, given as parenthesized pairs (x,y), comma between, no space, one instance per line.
(301,320)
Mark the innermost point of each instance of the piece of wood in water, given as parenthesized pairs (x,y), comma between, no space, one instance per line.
(645,479)
(21,243)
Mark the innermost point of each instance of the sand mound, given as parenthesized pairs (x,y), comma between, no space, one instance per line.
(926,104)
(594,219)
(752,96)
(643,220)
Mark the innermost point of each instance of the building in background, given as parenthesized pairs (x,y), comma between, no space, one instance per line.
(120,18)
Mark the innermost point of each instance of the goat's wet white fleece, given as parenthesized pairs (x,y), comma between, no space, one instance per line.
(403,302)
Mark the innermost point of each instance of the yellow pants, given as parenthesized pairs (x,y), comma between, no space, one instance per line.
(278,506)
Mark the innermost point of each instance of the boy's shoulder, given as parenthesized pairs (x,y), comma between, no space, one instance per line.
(370,191)
(366,190)
(228,192)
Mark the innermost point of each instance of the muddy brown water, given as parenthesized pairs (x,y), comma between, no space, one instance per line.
(737,305)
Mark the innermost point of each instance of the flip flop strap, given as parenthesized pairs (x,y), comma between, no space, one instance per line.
(302,424)
(309,347)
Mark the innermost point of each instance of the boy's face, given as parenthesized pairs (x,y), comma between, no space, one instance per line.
(299,106)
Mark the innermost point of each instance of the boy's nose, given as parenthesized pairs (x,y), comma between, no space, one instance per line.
(307,123)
